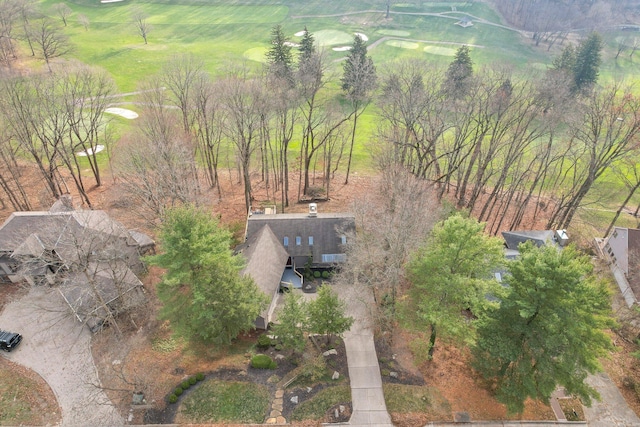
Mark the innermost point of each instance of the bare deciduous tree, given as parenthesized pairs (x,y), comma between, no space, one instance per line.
(84,21)
(50,40)
(141,22)
(63,11)
(158,169)
(245,100)
(605,132)
(391,224)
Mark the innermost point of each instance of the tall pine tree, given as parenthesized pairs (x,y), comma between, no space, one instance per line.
(202,292)
(548,330)
(587,62)
(459,74)
(358,81)
(279,56)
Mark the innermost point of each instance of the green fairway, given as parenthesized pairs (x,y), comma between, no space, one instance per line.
(221,32)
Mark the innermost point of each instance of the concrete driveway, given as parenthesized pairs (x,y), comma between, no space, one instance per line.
(57,347)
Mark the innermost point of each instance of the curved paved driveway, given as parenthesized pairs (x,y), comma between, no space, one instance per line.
(58,348)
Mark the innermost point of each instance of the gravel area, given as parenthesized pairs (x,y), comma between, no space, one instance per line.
(57,347)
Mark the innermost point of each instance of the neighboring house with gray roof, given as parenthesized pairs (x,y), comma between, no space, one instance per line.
(92,258)
(512,239)
(276,244)
(539,238)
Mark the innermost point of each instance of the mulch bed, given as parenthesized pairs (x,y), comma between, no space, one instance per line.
(268,378)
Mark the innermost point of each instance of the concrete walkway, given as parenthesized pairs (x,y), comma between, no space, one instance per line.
(369,408)
(612,410)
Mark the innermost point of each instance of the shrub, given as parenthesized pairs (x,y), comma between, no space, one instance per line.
(192,380)
(263,341)
(313,369)
(316,274)
(278,347)
(325,274)
(262,361)
(200,376)
(178,391)
(185,384)
(173,398)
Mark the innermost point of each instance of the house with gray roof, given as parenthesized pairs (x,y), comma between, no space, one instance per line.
(91,258)
(318,238)
(622,250)
(276,245)
(512,239)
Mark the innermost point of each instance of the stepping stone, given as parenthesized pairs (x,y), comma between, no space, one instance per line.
(279,394)
(277,401)
(281,420)
(275,407)
(272,421)
(275,414)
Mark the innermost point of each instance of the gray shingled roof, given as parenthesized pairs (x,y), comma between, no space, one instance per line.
(115,285)
(539,238)
(325,228)
(266,260)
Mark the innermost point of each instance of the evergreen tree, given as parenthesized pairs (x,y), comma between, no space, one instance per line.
(307,48)
(292,322)
(587,62)
(279,56)
(459,74)
(548,330)
(566,61)
(358,81)
(452,273)
(202,292)
(327,314)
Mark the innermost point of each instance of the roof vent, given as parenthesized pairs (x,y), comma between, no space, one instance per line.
(313,210)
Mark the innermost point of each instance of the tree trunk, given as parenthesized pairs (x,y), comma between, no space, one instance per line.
(432,341)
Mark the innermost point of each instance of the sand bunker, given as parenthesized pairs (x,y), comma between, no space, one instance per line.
(362,36)
(90,151)
(342,48)
(122,112)
(299,33)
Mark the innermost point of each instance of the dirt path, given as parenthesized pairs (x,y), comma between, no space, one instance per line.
(58,348)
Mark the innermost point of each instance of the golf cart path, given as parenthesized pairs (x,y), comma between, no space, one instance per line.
(58,348)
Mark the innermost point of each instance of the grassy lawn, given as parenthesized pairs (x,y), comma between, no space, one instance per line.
(231,402)
(25,399)
(316,407)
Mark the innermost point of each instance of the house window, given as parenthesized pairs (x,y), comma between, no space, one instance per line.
(310,240)
(343,239)
(298,240)
(331,258)
(286,241)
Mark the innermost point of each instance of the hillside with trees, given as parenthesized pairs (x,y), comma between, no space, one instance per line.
(436,146)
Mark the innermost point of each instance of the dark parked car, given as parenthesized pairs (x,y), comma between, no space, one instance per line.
(9,340)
